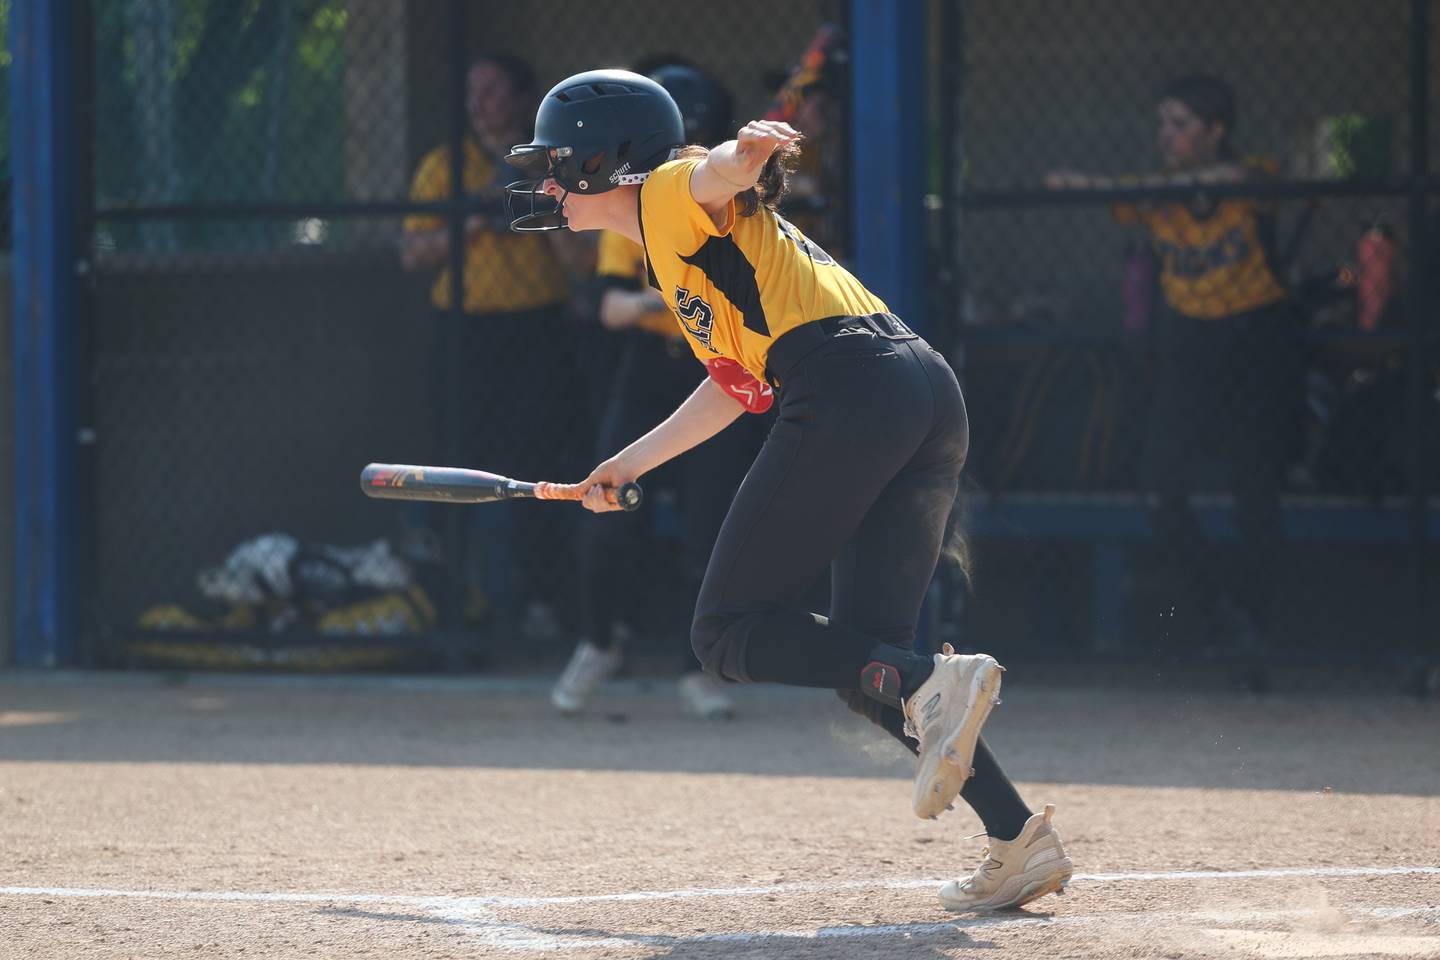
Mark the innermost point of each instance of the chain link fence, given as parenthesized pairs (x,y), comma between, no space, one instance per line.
(1192,279)
(286,285)
(1182,256)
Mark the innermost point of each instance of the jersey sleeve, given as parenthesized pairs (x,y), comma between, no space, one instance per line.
(670,214)
(620,258)
(620,265)
(432,182)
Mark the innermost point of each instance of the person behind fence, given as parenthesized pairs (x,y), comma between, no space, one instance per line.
(1227,358)
(655,372)
(858,475)
(808,100)
(511,405)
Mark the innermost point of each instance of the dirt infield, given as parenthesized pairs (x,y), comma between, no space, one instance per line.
(243,818)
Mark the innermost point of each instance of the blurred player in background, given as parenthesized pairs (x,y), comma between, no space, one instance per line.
(858,474)
(654,373)
(516,290)
(1227,358)
(806,98)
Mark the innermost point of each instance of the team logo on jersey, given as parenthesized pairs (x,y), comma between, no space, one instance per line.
(696,316)
(1194,261)
(807,246)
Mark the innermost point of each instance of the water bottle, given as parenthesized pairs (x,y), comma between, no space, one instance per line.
(1375,275)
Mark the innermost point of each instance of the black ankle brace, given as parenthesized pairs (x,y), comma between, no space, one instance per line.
(894,673)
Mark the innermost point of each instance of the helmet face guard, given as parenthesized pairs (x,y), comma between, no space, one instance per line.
(575,170)
(531,209)
(594,132)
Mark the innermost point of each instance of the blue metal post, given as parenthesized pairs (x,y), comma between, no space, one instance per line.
(888,146)
(888,143)
(42,152)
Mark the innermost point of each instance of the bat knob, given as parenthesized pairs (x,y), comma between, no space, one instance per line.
(629,495)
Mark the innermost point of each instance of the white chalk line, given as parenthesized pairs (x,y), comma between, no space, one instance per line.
(476,915)
(696,892)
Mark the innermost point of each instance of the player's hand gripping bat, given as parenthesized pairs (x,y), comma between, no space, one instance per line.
(398,481)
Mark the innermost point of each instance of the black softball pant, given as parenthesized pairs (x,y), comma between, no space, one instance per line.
(1229,390)
(859,473)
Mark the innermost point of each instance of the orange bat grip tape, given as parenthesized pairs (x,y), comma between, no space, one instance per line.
(559,491)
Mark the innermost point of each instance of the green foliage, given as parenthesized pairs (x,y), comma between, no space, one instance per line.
(5,60)
(219,101)
(1360,146)
(5,34)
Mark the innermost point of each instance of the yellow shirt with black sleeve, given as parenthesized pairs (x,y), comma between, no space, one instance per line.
(737,287)
(620,263)
(504,271)
(1212,265)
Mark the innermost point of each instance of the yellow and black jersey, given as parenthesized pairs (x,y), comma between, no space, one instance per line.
(1216,264)
(737,287)
(504,271)
(620,263)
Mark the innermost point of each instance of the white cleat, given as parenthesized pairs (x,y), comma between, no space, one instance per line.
(1014,871)
(946,715)
(705,697)
(589,667)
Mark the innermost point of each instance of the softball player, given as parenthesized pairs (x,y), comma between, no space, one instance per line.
(1228,358)
(859,472)
(653,374)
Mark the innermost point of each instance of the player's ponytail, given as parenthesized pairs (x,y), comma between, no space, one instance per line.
(774,180)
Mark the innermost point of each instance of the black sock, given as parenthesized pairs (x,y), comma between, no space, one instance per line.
(993,797)
(894,673)
(988,791)
(886,717)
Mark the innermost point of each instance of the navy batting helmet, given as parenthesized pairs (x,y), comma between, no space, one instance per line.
(594,131)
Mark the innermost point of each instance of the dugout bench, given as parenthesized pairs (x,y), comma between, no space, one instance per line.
(1110,522)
